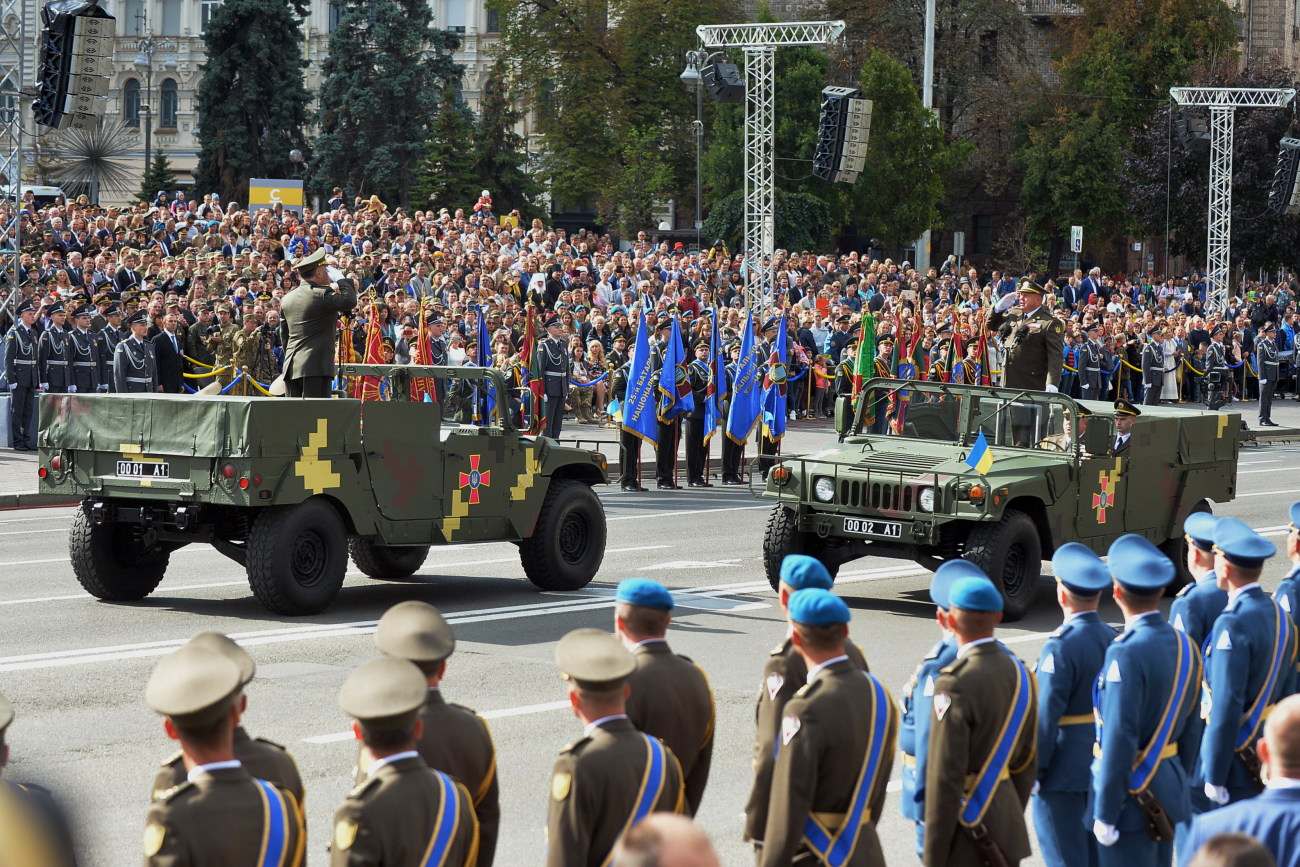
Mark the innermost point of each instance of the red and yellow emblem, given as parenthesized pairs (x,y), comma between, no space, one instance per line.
(475,479)
(1106,499)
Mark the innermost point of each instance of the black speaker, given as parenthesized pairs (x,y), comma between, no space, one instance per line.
(1193,133)
(1284,194)
(722,78)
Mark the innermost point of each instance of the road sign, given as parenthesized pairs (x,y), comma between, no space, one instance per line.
(1076,239)
(959,244)
(269,192)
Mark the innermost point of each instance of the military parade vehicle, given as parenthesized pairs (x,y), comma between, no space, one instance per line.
(1002,477)
(288,487)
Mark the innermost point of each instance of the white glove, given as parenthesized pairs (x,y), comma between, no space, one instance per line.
(1006,303)
(1037,786)
(1107,835)
(1052,389)
(104,388)
(13,386)
(45,386)
(72,389)
(1217,794)
(335,274)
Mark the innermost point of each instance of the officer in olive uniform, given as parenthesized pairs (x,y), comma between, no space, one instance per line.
(671,699)
(880,406)
(614,775)
(106,340)
(222,342)
(982,763)
(1146,693)
(135,369)
(783,674)
(456,740)
(731,450)
(844,370)
(1269,369)
(54,354)
(405,812)
(248,345)
(1090,356)
(1153,368)
(700,376)
(556,366)
(1250,660)
(221,815)
(837,747)
(85,353)
(1035,344)
(35,831)
(309,330)
(21,374)
(1066,670)
(265,760)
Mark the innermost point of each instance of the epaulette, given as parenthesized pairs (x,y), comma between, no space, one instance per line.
(462,707)
(952,667)
(1125,636)
(170,794)
(1187,588)
(576,745)
(363,787)
(685,657)
(807,689)
(171,760)
(271,743)
(779,650)
(1062,630)
(934,651)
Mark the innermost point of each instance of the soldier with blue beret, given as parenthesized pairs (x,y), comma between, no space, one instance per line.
(1249,665)
(1066,671)
(836,748)
(1143,700)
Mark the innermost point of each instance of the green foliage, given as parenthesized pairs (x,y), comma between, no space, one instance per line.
(251,97)
(643,179)
(502,156)
(446,177)
(803,221)
(380,92)
(158,176)
(1070,166)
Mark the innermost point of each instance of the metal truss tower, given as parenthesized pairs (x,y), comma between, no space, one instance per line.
(14,55)
(759,42)
(1223,103)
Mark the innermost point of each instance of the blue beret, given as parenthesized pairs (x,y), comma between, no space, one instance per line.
(802,572)
(1294,514)
(644,592)
(1080,570)
(948,573)
(1138,565)
(1199,528)
(1240,545)
(975,594)
(818,607)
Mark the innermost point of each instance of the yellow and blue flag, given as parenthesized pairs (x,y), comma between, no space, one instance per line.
(980,458)
(675,395)
(639,407)
(774,388)
(746,399)
(715,394)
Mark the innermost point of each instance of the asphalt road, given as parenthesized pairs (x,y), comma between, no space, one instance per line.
(75,668)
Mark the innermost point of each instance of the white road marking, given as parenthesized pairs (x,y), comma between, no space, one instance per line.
(683,599)
(504,712)
(1291,491)
(1255,472)
(31,532)
(653,515)
(692,564)
(1253,463)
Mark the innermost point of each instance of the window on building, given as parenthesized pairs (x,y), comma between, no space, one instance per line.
(982,234)
(169,103)
(457,15)
(989,51)
(493,23)
(133,21)
(171,18)
(334,17)
(207,8)
(131,102)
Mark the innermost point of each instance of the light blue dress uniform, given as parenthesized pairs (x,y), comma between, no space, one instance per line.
(1143,698)
(1248,666)
(1287,596)
(1273,818)
(1066,670)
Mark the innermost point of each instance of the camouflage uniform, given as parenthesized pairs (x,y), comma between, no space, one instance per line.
(246,347)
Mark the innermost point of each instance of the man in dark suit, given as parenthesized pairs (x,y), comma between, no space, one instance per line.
(169,351)
(126,276)
(310,325)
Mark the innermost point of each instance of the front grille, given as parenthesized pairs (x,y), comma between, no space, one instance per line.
(885,496)
(901,460)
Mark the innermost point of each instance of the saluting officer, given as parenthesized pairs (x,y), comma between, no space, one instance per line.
(615,775)
(671,699)
(1142,701)
(21,374)
(1269,370)
(456,740)
(837,748)
(731,450)
(35,831)
(54,353)
(265,760)
(85,353)
(914,725)
(700,376)
(1066,670)
(1200,603)
(556,366)
(405,812)
(1153,368)
(309,330)
(135,369)
(1249,664)
(1035,344)
(982,761)
(221,814)
(784,673)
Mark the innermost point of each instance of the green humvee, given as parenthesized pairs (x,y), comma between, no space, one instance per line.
(908,491)
(287,487)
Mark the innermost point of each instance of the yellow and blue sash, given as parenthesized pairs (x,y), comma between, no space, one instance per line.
(1187,674)
(275,838)
(979,796)
(444,829)
(835,849)
(1282,639)
(652,785)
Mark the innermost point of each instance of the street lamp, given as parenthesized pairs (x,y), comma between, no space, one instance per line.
(692,76)
(296,157)
(146,49)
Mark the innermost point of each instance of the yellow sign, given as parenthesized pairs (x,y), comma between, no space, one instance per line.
(269,192)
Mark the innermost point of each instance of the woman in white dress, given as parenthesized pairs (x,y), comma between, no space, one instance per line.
(1173,358)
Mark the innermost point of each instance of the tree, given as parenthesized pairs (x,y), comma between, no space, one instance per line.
(158,176)
(803,221)
(447,175)
(644,178)
(381,89)
(252,98)
(502,156)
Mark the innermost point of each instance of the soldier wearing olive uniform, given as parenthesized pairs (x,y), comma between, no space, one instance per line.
(615,775)
(456,740)
(309,330)
(248,344)
(405,812)
(135,369)
(222,343)
(1035,344)
(221,815)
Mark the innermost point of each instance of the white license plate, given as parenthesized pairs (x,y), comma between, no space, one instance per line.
(868,527)
(143,470)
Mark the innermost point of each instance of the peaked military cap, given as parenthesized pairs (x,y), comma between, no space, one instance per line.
(227,647)
(1029,287)
(416,631)
(309,261)
(771,324)
(593,660)
(25,305)
(1199,529)
(1080,570)
(1138,565)
(1123,407)
(1240,545)
(57,307)
(948,574)
(140,316)
(194,685)
(385,693)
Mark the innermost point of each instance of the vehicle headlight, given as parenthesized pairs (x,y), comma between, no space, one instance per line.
(824,489)
(926,499)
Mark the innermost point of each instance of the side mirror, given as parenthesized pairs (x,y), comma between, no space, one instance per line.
(843,414)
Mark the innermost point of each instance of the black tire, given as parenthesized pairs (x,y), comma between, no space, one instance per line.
(1011,554)
(568,544)
(1176,550)
(387,563)
(297,556)
(782,538)
(111,562)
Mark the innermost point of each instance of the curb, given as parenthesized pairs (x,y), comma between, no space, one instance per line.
(34,500)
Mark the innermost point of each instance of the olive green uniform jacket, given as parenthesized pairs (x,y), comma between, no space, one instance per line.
(1035,348)
(310,327)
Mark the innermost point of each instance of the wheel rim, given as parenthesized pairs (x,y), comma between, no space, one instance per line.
(574,535)
(309,558)
(1013,573)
